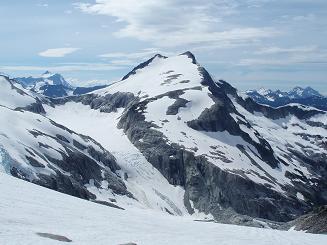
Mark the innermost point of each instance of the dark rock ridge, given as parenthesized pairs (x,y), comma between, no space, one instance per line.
(312,222)
(142,65)
(54,90)
(108,103)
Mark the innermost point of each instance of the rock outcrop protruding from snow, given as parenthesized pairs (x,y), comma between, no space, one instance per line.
(312,222)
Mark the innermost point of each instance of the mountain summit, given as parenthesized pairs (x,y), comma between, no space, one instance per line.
(54,85)
(49,84)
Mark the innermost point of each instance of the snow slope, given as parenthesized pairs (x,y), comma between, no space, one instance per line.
(34,137)
(13,96)
(145,182)
(283,134)
(27,209)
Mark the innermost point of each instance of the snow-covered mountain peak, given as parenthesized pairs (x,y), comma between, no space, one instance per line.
(46,74)
(299,92)
(48,83)
(296,92)
(160,75)
(143,65)
(55,79)
(46,78)
(263,91)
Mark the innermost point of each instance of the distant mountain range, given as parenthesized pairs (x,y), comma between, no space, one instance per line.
(305,96)
(53,85)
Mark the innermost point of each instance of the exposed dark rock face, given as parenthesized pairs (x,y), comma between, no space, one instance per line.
(82,168)
(208,187)
(36,107)
(312,222)
(54,237)
(173,109)
(109,204)
(211,189)
(54,90)
(154,147)
(108,103)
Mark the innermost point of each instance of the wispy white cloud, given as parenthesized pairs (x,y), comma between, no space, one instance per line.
(169,23)
(308,17)
(298,18)
(133,58)
(57,52)
(295,59)
(64,67)
(45,5)
(256,3)
(279,50)
(134,55)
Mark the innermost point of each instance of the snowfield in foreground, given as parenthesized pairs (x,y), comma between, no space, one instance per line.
(27,209)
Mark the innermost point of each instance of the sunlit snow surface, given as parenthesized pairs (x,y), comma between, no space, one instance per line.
(11,97)
(27,209)
(145,182)
(160,76)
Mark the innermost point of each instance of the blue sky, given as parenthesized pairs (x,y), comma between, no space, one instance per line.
(249,43)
